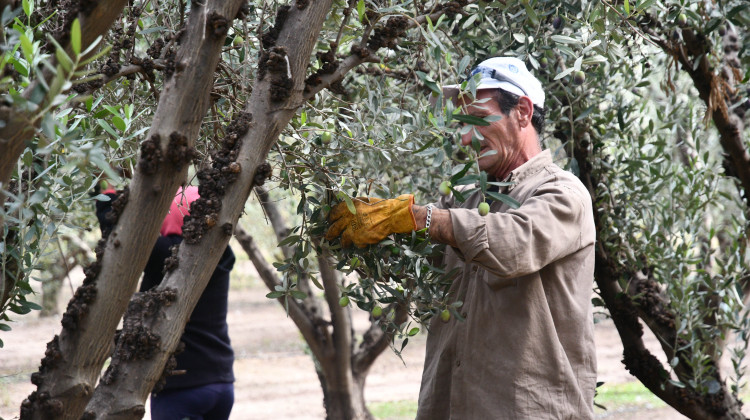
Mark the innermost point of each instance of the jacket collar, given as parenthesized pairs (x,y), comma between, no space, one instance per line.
(529,169)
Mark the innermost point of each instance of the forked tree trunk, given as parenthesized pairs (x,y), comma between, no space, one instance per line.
(340,366)
(344,401)
(67,375)
(155,320)
(224,190)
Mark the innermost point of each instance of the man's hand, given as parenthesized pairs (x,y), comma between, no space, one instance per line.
(375,219)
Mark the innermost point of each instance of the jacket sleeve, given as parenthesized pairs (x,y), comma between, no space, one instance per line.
(153,272)
(548,226)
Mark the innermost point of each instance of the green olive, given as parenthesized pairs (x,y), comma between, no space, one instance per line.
(445,188)
(483,209)
(445,315)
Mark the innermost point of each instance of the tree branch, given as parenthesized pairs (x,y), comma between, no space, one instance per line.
(282,231)
(714,91)
(17,130)
(340,316)
(376,340)
(302,318)
(365,54)
(624,311)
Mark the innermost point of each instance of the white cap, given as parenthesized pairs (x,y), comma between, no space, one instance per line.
(506,73)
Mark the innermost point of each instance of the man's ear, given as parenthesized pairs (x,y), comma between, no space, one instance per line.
(525,110)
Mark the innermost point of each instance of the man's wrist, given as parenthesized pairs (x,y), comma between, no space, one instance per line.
(420,216)
(441,226)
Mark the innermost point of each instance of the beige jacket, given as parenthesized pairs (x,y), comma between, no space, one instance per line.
(526,349)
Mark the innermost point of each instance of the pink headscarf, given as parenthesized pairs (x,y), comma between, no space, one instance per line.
(180,208)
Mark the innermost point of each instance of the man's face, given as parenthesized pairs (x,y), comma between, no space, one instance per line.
(502,136)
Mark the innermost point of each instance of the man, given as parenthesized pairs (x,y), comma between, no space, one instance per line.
(202,387)
(526,349)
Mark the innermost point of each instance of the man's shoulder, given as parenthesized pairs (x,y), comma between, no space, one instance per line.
(566,182)
(554,173)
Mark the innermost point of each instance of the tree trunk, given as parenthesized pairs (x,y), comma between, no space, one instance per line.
(343,389)
(625,311)
(67,375)
(344,400)
(223,198)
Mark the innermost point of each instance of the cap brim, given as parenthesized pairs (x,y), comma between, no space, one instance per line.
(450,92)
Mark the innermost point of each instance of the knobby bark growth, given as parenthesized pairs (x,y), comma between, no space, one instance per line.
(223,195)
(225,185)
(154,321)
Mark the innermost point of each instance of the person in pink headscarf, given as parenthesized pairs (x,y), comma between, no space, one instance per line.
(180,208)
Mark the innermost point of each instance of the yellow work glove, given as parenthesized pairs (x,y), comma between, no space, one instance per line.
(375,219)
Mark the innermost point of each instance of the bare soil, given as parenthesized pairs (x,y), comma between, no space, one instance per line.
(275,377)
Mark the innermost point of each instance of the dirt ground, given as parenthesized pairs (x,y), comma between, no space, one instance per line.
(275,377)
